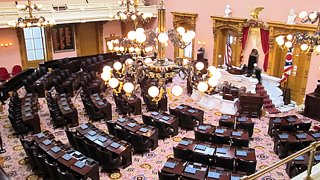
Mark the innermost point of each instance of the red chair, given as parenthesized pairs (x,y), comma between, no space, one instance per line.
(4,75)
(16,69)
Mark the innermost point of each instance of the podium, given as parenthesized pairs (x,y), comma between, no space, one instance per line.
(312,104)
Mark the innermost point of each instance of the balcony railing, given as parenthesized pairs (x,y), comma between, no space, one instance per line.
(312,149)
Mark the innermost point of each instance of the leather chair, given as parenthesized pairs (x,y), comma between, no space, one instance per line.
(225,162)
(238,142)
(181,153)
(108,162)
(247,126)
(148,120)
(16,69)
(52,169)
(187,122)
(66,175)
(203,159)
(163,130)
(302,127)
(4,75)
(40,161)
(121,133)
(245,166)
(70,136)
(80,144)
(220,139)
(92,150)
(138,143)
(166,176)
(124,107)
(94,114)
(29,148)
(111,125)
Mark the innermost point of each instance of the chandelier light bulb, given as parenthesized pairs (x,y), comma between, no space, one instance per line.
(181,30)
(133,17)
(113,83)
(153,91)
(141,38)
(313,15)
(216,74)
(117,48)
(39,6)
(148,60)
(186,38)
(191,34)
(211,69)
(106,69)
(117,65)
(303,14)
(213,81)
(137,50)
(121,48)
(288,44)
(318,48)
(304,47)
(199,66)
(132,35)
(202,86)
(105,76)
(110,47)
(289,37)
(128,87)
(163,37)
(139,30)
(177,90)
(131,49)
(129,61)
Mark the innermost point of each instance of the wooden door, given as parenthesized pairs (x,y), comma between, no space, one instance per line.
(88,39)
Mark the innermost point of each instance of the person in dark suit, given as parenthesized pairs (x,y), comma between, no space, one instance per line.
(253,58)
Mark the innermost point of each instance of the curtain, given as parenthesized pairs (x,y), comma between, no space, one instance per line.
(245,33)
(265,46)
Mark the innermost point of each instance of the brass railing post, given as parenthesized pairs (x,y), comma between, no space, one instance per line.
(310,164)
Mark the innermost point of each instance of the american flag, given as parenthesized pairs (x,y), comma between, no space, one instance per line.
(287,67)
(228,51)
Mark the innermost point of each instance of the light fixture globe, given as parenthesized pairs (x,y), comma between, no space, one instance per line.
(105,76)
(113,83)
(132,35)
(191,34)
(148,60)
(185,62)
(106,69)
(153,91)
(163,37)
(181,30)
(141,37)
(199,66)
(202,86)
(117,65)
(304,47)
(211,69)
(303,14)
(177,90)
(318,48)
(139,30)
(288,44)
(313,15)
(186,38)
(129,61)
(128,87)
(290,37)
(213,82)
(216,74)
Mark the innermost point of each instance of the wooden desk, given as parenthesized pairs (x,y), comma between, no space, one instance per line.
(195,113)
(134,102)
(163,117)
(67,109)
(102,104)
(312,106)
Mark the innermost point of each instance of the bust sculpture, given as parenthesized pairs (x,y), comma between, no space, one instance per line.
(291,17)
(227,11)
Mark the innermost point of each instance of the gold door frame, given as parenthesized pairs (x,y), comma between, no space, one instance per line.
(298,86)
(184,18)
(220,23)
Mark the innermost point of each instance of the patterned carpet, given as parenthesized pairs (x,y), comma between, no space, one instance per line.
(144,167)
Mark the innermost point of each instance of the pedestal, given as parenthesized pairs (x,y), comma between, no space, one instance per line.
(196,95)
(229,107)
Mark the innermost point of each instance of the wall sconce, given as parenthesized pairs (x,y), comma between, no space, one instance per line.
(5,44)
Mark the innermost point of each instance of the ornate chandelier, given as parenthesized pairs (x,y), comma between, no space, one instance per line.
(307,42)
(30,21)
(142,41)
(132,15)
